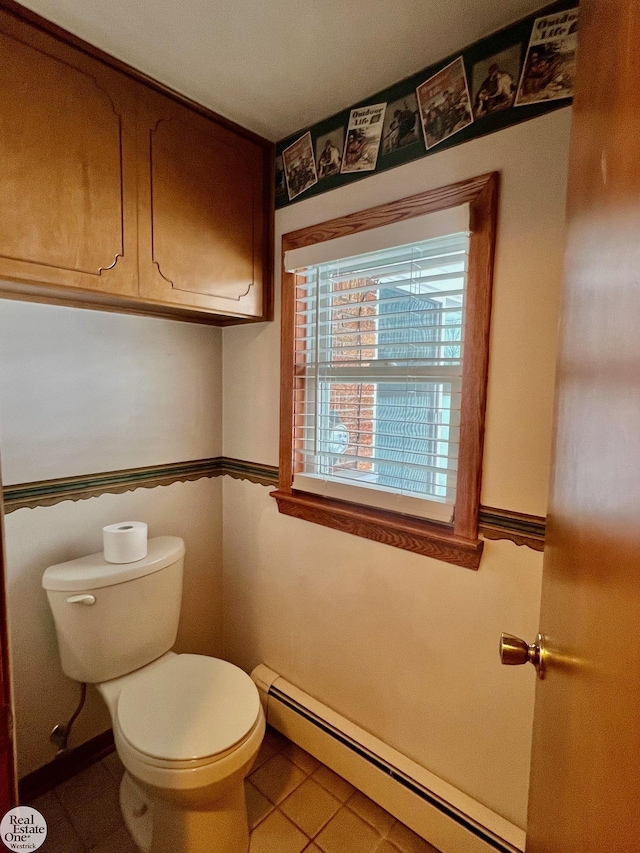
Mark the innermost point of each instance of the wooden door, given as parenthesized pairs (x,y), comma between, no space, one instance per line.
(68,182)
(8,792)
(585,778)
(203,211)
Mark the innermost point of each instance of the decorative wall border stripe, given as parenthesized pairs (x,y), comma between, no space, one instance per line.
(266,475)
(49,492)
(518,527)
(419,116)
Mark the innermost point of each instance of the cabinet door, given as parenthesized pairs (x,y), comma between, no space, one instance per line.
(203,211)
(67,182)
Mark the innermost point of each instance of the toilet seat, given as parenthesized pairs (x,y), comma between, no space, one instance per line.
(190,711)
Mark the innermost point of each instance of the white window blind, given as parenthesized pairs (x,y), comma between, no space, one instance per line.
(379,353)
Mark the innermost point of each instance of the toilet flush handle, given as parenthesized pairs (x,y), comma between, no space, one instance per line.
(81,599)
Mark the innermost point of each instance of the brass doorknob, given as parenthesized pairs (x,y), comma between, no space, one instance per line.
(514,652)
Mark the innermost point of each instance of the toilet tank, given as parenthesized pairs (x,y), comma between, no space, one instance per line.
(113,618)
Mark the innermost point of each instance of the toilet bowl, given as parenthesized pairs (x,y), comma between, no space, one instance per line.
(187,727)
(187,760)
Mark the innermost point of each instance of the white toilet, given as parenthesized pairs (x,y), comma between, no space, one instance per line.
(187,727)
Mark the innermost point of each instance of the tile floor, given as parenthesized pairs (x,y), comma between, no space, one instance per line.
(295,804)
(83,813)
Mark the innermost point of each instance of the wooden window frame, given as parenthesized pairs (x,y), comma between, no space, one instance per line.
(458,542)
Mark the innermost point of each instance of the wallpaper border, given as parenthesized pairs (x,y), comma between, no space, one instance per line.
(518,527)
(510,48)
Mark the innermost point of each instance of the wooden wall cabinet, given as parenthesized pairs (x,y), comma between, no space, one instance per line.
(115,193)
(68,176)
(201,191)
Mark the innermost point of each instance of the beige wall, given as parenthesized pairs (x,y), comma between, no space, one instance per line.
(403,645)
(82,392)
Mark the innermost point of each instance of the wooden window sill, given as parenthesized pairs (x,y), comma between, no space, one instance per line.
(428,538)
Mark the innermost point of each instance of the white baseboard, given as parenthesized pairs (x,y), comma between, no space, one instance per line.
(441,814)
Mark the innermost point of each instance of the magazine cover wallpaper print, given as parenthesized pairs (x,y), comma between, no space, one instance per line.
(364,132)
(329,153)
(494,81)
(445,106)
(299,166)
(400,124)
(549,68)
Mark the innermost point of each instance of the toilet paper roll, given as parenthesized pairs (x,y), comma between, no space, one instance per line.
(125,542)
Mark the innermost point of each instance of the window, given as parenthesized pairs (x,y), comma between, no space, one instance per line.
(377,418)
(385,350)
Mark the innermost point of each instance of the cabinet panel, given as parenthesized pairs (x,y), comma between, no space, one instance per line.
(202,212)
(202,219)
(67,189)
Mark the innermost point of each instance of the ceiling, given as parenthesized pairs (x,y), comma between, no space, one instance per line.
(276,66)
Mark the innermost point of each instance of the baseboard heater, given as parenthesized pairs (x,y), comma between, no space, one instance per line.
(437,811)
